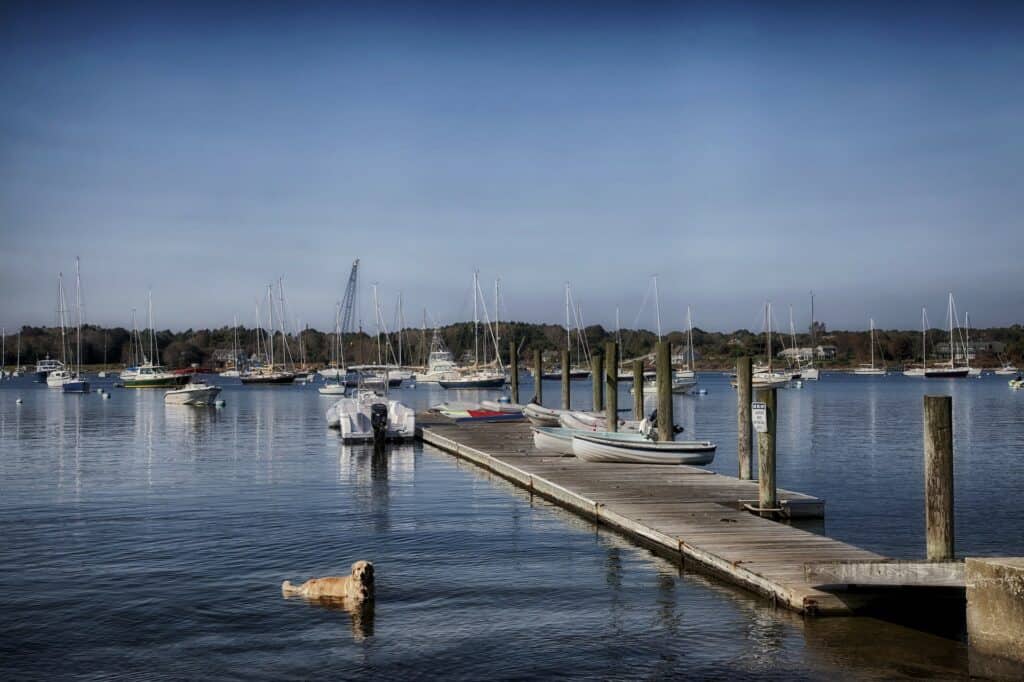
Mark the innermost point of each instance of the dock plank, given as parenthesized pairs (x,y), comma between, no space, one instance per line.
(682,510)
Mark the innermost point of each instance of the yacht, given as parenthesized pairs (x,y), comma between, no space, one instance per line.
(45,366)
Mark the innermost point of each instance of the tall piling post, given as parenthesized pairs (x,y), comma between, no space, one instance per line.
(597,381)
(538,377)
(767,493)
(513,369)
(666,420)
(744,445)
(566,379)
(938,476)
(638,389)
(611,385)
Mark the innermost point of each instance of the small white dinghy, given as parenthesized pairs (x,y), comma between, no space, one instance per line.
(593,421)
(542,416)
(636,449)
(193,393)
(502,405)
(553,439)
(368,417)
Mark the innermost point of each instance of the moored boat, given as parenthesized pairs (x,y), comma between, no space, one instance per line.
(366,416)
(473,380)
(154,376)
(636,449)
(542,416)
(45,366)
(193,393)
(475,412)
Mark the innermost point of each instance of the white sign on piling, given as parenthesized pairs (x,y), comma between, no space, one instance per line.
(759,416)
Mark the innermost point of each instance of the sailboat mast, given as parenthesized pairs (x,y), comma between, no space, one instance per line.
(497,317)
(60,313)
(949,314)
(618,330)
(768,348)
(924,340)
(568,322)
(689,338)
(871,323)
(270,329)
(152,332)
(376,316)
(967,339)
(812,324)
(476,320)
(657,306)
(78,306)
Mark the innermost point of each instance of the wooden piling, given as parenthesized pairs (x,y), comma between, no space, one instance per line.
(767,492)
(666,421)
(596,372)
(638,389)
(938,476)
(566,379)
(611,386)
(538,377)
(744,446)
(513,368)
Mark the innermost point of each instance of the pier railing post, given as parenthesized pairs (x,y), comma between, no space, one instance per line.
(666,420)
(767,494)
(638,389)
(566,378)
(744,446)
(611,385)
(596,371)
(513,369)
(938,476)
(538,377)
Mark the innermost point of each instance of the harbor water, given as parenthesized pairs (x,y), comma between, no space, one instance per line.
(148,540)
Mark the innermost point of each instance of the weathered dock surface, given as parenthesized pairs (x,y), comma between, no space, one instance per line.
(680,510)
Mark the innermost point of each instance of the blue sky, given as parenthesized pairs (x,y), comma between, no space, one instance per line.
(869,153)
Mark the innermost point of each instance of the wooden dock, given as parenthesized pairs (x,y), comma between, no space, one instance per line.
(681,511)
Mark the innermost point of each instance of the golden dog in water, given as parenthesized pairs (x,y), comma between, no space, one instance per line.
(356,588)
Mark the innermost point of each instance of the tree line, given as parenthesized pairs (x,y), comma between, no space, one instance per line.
(713,349)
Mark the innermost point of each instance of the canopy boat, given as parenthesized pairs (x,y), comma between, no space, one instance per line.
(636,449)
(193,393)
(542,416)
(357,416)
(45,366)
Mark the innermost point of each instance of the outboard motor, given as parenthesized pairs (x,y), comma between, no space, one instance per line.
(649,427)
(379,423)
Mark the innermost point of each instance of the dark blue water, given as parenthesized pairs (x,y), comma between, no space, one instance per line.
(144,540)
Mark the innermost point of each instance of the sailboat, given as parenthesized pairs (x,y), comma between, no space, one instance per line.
(765,376)
(971,371)
(1006,368)
(919,371)
(809,371)
(683,380)
(948,370)
(233,372)
(150,374)
(335,382)
(478,377)
(269,373)
(871,370)
(103,372)
(76,384)
(17,363)
(577,370)
(58,377)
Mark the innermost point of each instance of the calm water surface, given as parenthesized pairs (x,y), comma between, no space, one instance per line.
(147,540)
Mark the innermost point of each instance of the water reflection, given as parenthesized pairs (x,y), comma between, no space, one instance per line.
(360,615)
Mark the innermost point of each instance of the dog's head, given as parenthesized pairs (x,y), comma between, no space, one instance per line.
(362,576)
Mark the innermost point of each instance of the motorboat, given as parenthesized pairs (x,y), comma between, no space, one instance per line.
(542,416)
(231,373)
(1006,369)
(45,366)
(914,372)
(368,417)
(810,373)
(638,449)
(268,375)
(155,376)
(57,378)
(333,388)
(682,382)
(76,384)
(473,380)
(192,393)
